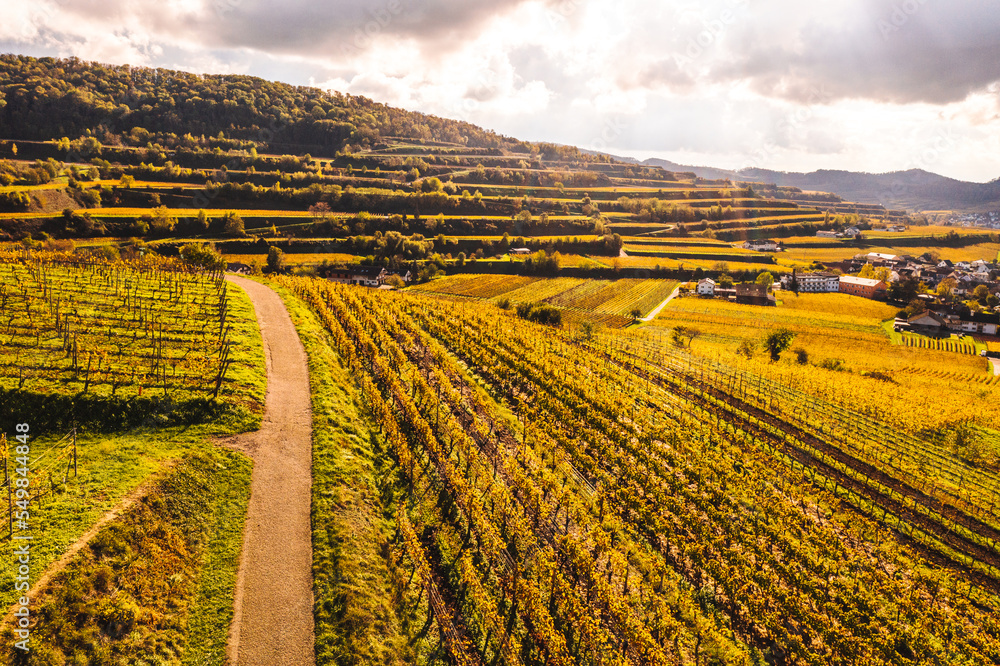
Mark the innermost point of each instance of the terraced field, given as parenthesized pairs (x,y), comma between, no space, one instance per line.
(609,301)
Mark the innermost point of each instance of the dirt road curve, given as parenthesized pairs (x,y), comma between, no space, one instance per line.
(996,365)
(273,608)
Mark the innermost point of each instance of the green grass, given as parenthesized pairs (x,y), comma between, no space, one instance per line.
(155,581)
(212,608)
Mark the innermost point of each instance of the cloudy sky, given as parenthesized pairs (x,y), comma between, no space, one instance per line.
(864,85)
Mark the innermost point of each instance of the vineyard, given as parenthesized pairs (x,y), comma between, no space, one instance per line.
(608,301)
(610,501)
(940,344)
(82,326)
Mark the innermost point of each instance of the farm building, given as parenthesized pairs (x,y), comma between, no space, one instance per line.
(706,287)
(405,276)
(880,259)
(823,282)
(827,234)
(866,288)
(519,251)
(982,323)
(238,268)
(367,276)
(928,321)
(753,294)
(761,245)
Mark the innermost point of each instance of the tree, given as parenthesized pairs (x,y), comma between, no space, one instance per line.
(903,291)
(946,289)
(636,314)
(684,335)
(275,260)
(162,222)
(777,342)
(747,349)
(765,280)
(433,184)
(233,225)
(981,294)
(205,256)
(726,281)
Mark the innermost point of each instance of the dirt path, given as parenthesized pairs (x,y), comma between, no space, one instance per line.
(124,505)
(273,605)
(996,365)
(659,308)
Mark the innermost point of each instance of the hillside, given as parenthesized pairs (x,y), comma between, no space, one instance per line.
(46,97)
(914,190)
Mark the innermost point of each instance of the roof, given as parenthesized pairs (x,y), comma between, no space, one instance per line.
(748,289)
(820,274)
(366,271)
(885,257)
(706,281)
(861,282)
(983,318)
(927,314)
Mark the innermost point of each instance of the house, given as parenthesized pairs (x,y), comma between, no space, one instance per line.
(863,287)
(238,268)
(406,277)
(852,232)
(822,282)
(519,251)
(366,276)
(761,245)
(880,259)
(981,323)
(753,294)
(706,287)
(896,229)
(927,321)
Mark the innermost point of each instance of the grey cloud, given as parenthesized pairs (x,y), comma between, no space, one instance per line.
(305,27)
(666,72)
(899,52)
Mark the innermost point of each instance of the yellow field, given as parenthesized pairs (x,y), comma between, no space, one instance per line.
(912,386)
(664,262)
(798,257)
(295,259)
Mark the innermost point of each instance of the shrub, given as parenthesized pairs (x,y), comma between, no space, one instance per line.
(275,260)
(540,313)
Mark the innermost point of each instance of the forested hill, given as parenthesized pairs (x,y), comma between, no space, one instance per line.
(47,98)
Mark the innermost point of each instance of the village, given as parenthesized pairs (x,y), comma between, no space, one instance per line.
(938,297)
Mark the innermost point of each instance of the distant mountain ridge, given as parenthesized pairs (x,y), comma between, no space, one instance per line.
(914,190)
